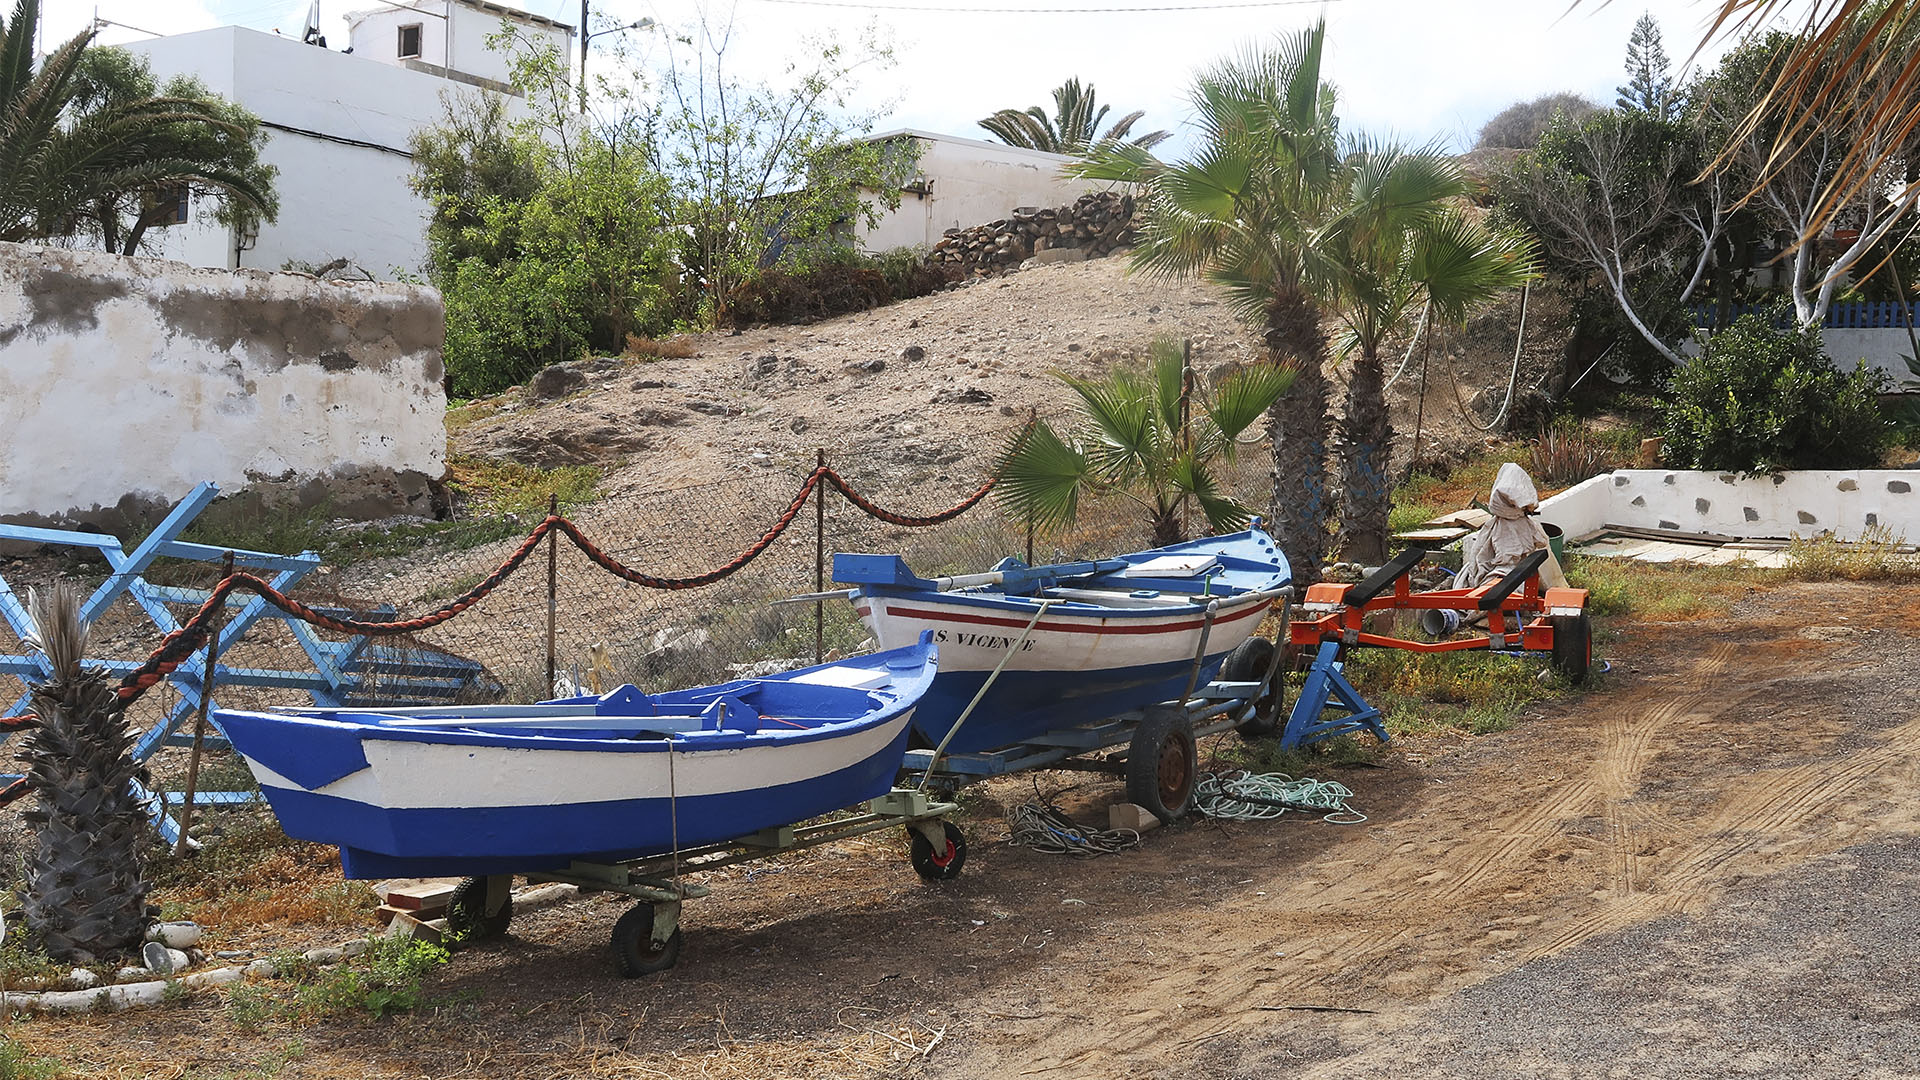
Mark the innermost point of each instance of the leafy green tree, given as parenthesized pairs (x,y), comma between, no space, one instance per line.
(1612,199)
(1650,88)
(1760,399)
(217,161)
(1397,241)
(1241,213)
(769,177)
(550,237)
(1072,126)
(1152,436)
(62,154)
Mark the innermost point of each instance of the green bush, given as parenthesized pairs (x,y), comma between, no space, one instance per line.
(1760,399)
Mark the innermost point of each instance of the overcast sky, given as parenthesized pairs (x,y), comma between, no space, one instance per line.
(1419,70)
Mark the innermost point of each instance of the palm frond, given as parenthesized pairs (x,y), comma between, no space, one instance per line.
(1192,479)
(1040,477)
(1244,397)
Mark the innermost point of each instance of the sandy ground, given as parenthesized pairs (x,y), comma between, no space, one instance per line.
(1704,868)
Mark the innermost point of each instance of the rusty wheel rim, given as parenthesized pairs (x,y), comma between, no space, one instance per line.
(1174,778)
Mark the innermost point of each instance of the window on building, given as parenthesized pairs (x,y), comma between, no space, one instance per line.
(171,202)
(410,41)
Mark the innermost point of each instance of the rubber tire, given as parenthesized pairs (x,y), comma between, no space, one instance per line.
(1249,663)
(1572,646)
(633,949)
(921,852)
(1162,763)
(466,918)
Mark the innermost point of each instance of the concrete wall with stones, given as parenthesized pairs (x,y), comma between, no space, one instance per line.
(126,381)
(1805,503)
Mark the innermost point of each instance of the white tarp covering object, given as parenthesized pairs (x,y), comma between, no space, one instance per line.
(1508,536)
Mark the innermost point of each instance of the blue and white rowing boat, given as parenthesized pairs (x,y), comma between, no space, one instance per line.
(1116,635)
(495,789)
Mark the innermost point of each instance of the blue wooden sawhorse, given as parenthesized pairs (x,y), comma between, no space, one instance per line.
(1329,705)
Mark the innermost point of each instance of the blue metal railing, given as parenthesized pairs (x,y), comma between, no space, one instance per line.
(1875,315)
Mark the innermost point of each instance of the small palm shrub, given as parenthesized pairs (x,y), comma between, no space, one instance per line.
(1761,398)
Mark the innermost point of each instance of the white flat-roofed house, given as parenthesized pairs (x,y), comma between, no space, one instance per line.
(966,182)
(338,125)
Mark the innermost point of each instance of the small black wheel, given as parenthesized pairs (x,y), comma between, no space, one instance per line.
(1162,762)
(937,865)
(1249,663)
(467,916)
(1572,646)
(634,949)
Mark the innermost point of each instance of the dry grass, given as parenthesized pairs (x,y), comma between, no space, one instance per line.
(674,348)
(254,875)
(892,1049)
(1879,555)
(1662,592)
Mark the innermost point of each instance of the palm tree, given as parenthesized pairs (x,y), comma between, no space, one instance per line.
(85,894)
(1397,241)
(1071,128)
(1140,437)
(1241,213)
(59,156)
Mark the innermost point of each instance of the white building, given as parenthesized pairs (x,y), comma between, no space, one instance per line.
(339,123)
(966,182)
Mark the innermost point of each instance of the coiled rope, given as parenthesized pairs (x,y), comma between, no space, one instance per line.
(1249,796)
(1046,829)
(180,645)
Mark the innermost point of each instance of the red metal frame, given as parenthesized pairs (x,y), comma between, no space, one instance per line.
(1325,615)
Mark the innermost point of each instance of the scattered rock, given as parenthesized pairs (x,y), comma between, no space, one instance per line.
(652,417)
(81,979)
(713,408)
(1073,346)
(649,384)
(913,353)
(553,449)
(972,395)
(865,367)
(556,381)
(797,425)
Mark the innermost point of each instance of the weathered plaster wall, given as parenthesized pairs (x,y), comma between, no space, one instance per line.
(1804,503)
(970,182)
(126,381)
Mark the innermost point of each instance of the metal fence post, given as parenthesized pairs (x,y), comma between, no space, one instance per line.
(200,721)
(819,553)
(553,585)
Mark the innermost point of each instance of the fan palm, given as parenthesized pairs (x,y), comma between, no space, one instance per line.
(1397,241)
(1070,130)
(57,160)
(1151,436)
(1241,213)
(85,895)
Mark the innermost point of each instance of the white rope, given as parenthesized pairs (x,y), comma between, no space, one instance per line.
(1418,328)
(1247,796)
(1513,377)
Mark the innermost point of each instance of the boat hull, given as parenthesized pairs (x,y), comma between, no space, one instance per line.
(448,795)
(1072,669)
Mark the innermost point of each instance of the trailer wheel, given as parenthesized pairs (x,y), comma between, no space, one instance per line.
(1249,663)
(467,916)
(634,948)
(1162,762)
(1572,646)
(937,865)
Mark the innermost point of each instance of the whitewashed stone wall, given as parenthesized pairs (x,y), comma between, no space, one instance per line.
(126,381)
(1802,503)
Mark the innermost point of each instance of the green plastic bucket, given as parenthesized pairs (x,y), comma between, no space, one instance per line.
(1556,541)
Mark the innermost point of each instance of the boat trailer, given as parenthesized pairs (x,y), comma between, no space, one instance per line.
(1513,615)
(647,939)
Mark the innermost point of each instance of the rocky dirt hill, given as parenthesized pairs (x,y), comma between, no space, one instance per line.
(925,390)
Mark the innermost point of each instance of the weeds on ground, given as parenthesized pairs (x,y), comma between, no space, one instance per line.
(255,874)
(1566,453)
(1659,592)
(24,967)
(271,1066)
(675,348)
(388,978)
(1440,693)
(1265,756)
(16,1063)
(1876,556)
(1425,495)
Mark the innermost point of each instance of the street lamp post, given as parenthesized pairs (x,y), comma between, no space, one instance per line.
(588,35)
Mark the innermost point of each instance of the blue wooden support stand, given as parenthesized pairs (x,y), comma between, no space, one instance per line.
(1327,689)
(341,670)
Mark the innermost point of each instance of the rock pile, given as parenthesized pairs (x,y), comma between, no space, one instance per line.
(1094,225)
